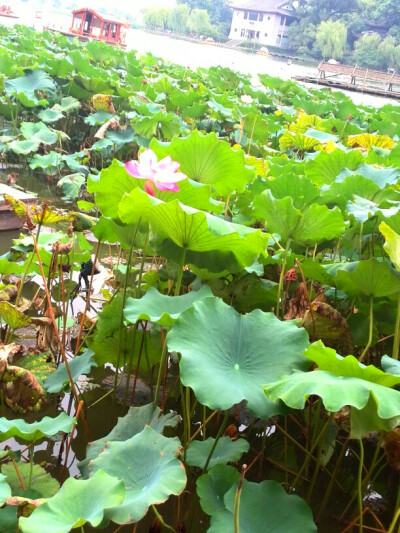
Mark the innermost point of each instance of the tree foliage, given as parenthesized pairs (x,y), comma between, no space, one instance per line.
(331,38)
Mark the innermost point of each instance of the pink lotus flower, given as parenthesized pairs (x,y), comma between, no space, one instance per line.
(163,174)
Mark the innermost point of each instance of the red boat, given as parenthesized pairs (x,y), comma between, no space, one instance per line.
(87,24)
(6,11)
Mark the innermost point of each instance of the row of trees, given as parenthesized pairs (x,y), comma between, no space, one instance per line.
(365,32)
(202,17)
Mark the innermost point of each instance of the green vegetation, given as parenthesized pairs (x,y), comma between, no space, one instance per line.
(253,235)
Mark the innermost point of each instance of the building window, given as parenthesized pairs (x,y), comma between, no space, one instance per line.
(265,34)
(242,33)
(261,17)
(279,39)
(283,20)
(253,15)
(246,15)
(269,18)
(258,35)
(235,29)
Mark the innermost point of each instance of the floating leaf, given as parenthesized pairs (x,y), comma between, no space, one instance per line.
(77,502)
(150,469)
(30,432)
(226,450)
(80,364)
(246,351)
(162,309)
(25,87)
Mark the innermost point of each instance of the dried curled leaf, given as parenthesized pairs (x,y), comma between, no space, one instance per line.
(103,102)
(326,323)
(368,140)
(391,445)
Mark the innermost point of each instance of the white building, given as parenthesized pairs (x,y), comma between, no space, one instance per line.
(264,21)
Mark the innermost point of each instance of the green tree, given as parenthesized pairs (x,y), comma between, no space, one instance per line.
(301,35)
(218,11)
(387,51)
(156,18)
(367,51)
(318,11)
(331,39)
(179,19)
(199,21)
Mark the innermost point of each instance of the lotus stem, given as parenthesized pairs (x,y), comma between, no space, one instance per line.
(220,431)
(359,482)
(396,340)
(371,330)
(282,274)
(144,256)
(130,364)
(180,272)
(21,481)
(161,520)
(164,354)
(237,500)
(396,515)
(30,465)
(137,367)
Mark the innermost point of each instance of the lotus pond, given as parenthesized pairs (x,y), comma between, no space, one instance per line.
(237,368)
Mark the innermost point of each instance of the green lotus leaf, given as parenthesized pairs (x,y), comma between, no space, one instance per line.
(9,519)
(297,141)
(80,364)
(23,147)
(207,159)
(226,450)
(370,278)
(71,185)
(5,489)
(119,137)
(77,502)
(326,166)
(36,430)
(315,224)
(50,115)
(300,188)
(246,350)
(208,241)
(12,316)
(212,487)
(8,267)
(42,484)
(67,105)
(339,193)
(24,88)
(98,118)
(39,132)
(261,504)
(127,426)
(151,471)
(162,309)
(391,366)
(392,243)
(379,175)
(102,145)
(340,382)
(51,161)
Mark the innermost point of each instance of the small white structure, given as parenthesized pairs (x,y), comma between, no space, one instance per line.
(263,21)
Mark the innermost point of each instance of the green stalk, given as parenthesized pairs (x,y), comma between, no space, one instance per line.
(164,354)
(180,272)
(30,464)
(396,515)
(161,520)
(359,480)
(280,286)
(129,367)
(188,418)
(144,255)
(396,340)
(371,330)
(220,431)
(318,465)
(237,501)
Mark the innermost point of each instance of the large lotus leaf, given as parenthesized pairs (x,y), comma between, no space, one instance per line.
(367,420)
(212,487)
(246,350)
(5,489)
(71,185)
(210,242)
(316,224)
(162,309)
(67,105)
(339,193)
(9,519)
(370,278)
(98,118)
(151,471)
(77,502)
(300,188)
(36,430)
(297,141)
(43,485)
(226,450)
(392,366)
(23,147)
(326,166)
(262,505)
(51,161)
(80,364)
(207,159)
(379,175)
(25,87)
(50,115)
(12,316)
(38,132)
(127,426)
(392,244)
(368,140)
(328,359)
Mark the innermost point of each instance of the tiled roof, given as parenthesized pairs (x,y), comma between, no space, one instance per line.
(260,5)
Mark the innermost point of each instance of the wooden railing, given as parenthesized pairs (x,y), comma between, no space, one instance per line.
(358,73)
